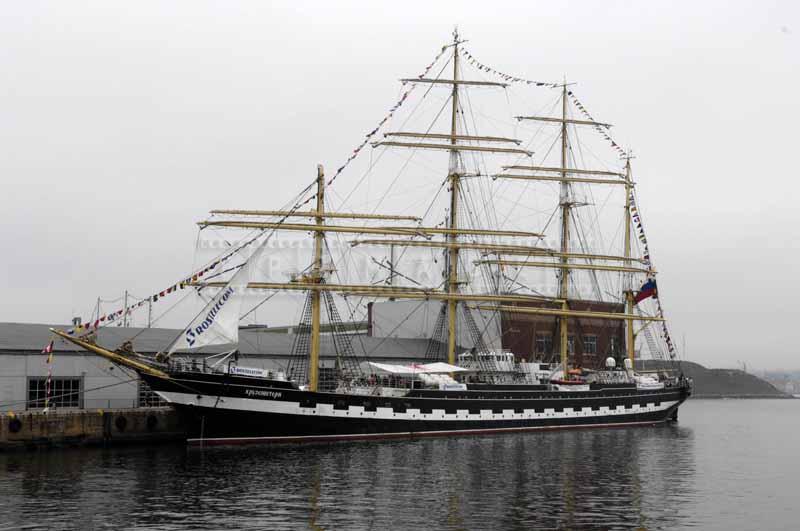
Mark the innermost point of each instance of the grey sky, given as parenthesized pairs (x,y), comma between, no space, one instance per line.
(121,124)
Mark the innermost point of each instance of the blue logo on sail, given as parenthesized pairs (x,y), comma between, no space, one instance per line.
(193,333)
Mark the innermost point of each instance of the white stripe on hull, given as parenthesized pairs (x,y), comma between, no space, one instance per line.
(384,413)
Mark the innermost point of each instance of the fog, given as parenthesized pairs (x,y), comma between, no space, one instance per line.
(123,123)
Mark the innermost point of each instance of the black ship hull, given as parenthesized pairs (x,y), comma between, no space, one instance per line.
(227,409)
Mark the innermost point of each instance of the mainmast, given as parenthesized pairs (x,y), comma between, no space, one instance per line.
(563,291)
(316,278)
(453,177)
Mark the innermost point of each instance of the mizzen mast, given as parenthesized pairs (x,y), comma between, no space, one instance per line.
(630,336)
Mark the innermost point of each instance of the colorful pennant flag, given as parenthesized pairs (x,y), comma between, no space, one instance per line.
(645,293)
(48,383)
(482,67)
(603,130)
(385,119)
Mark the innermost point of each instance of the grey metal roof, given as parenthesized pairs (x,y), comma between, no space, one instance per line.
(31,338)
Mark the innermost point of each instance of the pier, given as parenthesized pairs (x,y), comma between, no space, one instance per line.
(101,427)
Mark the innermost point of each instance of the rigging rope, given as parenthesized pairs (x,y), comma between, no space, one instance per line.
(114,316)
(602,130)
(386,118)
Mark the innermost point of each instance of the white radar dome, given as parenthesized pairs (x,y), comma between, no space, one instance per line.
(611,362)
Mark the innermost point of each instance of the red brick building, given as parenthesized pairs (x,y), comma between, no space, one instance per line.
(591,341)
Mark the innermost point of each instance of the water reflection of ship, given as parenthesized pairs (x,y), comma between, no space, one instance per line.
(595,479)
(614,478)
(313,500)
(575,480)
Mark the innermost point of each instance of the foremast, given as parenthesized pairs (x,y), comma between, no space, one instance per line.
(316,278)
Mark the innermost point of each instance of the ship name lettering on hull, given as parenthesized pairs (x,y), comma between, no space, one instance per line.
(263,393)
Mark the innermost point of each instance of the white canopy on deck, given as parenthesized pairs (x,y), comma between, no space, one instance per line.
(416,368)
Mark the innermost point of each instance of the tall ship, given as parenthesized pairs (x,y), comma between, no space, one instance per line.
(542,311)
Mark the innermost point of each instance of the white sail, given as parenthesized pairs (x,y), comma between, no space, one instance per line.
(218,323)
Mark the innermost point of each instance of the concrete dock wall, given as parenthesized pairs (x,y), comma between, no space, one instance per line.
(89,427)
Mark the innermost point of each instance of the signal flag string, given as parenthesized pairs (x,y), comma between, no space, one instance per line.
(637,220)
(116,315)
(513,79)
(509,78)
(386,117)
(603,130)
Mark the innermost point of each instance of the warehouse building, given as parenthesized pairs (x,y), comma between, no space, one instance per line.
(81,380)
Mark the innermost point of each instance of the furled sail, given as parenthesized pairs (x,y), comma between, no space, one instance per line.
(218,323)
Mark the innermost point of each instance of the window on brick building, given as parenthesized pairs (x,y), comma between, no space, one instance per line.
(544,344)
(590,344)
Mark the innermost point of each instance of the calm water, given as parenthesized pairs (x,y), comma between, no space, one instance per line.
(728,464)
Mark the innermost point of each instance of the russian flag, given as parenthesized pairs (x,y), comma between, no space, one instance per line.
(647,290)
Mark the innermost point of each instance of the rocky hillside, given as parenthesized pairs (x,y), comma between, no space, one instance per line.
(719,383)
